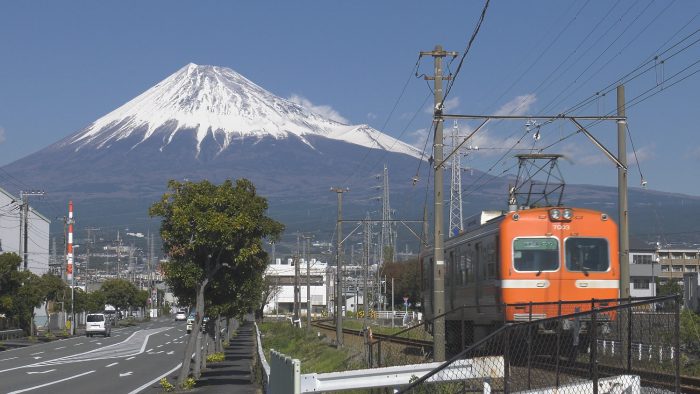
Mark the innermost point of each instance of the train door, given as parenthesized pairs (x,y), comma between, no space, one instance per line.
(478,275)
(451,280)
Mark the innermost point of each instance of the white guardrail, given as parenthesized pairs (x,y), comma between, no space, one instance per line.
(283,376)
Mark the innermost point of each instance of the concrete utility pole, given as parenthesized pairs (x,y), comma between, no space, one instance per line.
(297,293)
(308,282)
(365,260)
(339,276)
(24,224)
(622,194)
(438,247)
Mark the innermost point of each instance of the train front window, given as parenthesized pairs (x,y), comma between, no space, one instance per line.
(535,254)
(587,254)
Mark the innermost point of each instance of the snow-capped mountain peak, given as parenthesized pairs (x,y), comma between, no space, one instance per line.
(219,102)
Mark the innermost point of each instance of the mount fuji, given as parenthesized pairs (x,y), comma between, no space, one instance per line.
(208,122)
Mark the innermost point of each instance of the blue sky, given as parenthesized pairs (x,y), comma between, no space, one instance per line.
(65,64)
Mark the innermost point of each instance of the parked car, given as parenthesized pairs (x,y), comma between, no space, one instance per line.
(98,323)
(181,315)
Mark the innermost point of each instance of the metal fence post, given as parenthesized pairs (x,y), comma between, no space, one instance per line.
(462,331)
(629,335)
(371,349)
(506,359)
(594,348)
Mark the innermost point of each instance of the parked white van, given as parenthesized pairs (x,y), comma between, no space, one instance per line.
(98,323)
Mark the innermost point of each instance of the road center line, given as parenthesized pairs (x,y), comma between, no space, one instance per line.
(51,383)
(111,365)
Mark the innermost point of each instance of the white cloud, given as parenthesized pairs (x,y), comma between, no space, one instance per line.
(323,110)
(2,135)
(518,106)
(693,153)
(417,139)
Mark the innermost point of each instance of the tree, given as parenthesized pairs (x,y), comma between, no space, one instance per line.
(205,229)
(9,281)
(53,289)
(270,289)
(406,276)
(29,296)
(119,292)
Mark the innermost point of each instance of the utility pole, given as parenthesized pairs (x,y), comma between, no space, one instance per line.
(87,258)
(308,283)
(622,194)
(24,224)
(297,293)
(365,260)
(438,247)
(339,260)
(119,255)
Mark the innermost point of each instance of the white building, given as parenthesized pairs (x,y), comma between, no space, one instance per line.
(37,235)
(281,276)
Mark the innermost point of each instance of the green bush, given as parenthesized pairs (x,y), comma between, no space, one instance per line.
(166,386)
(215,357)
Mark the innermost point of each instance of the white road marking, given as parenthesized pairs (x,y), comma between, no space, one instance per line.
(159,346)
(34,354)
(131,358)
(149,350)
(60,347)
(6,359)
(134,345)
(111,365)
(170,352)
(33,372)
(139,389)
(36,357)
(51,383)
(78,344)
(167,335)
(121,375)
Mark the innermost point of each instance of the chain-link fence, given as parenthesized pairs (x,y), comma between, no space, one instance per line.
(587,347)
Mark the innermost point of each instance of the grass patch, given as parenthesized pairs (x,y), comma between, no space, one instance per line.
(315,353)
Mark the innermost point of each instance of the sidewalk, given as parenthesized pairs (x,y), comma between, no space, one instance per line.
(234,374)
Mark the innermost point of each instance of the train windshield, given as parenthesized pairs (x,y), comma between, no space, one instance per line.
(536,254)
(587,254)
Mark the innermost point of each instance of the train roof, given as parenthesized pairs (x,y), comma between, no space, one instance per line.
(480,219)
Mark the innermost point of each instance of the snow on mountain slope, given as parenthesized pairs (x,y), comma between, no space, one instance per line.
(219,102)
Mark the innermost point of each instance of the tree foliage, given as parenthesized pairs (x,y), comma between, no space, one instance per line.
(213,236)
(406,275)
(120,293)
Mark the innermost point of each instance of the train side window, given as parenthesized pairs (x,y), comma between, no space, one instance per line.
(587,254)
(471,274)
(535,254)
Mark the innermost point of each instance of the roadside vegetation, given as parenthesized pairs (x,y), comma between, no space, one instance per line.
(22,291)
(315,352)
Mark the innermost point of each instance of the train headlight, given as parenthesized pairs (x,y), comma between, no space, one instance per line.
(568,214)
(555,214)
(561,214)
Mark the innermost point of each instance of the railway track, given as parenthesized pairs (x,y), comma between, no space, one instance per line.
(383,337)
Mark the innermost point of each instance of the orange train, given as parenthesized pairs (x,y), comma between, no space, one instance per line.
(537,255)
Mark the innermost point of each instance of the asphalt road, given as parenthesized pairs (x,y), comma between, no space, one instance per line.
(130,361)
